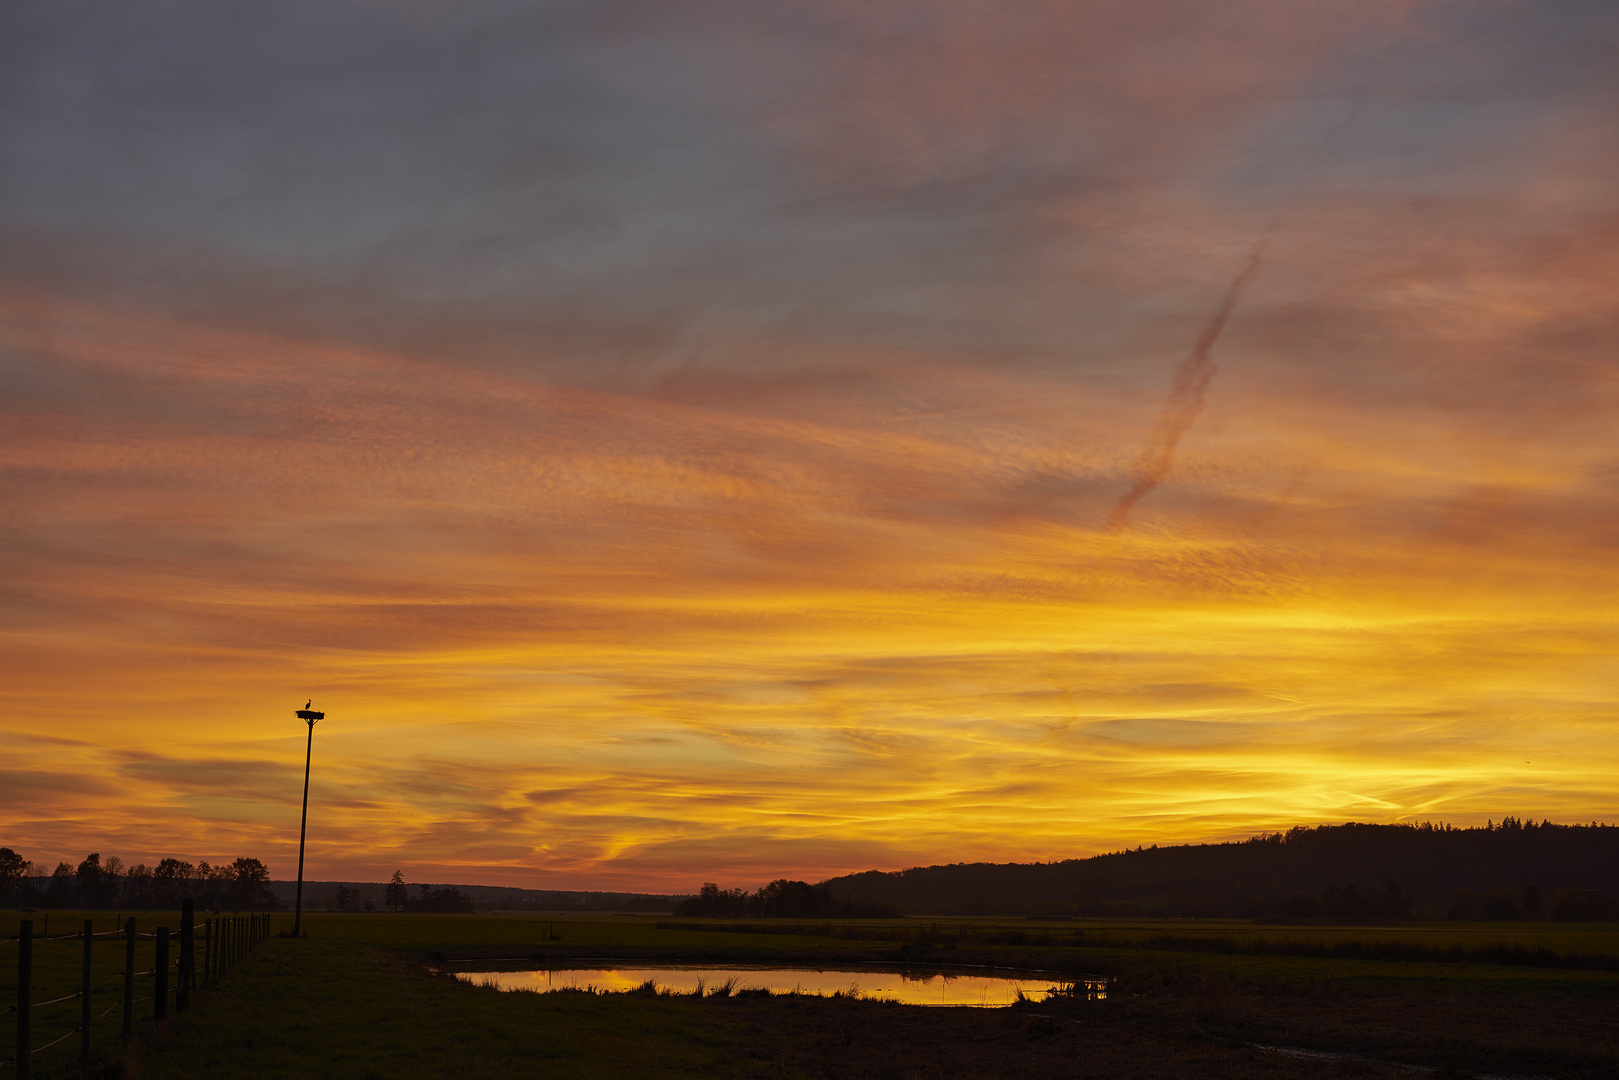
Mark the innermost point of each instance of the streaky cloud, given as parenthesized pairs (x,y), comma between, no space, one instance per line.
(1185,398)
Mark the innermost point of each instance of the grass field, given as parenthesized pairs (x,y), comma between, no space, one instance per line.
(359,997)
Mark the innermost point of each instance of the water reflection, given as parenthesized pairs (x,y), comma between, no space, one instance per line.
(909,986)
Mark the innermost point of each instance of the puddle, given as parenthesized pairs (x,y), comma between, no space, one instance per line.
(910,986)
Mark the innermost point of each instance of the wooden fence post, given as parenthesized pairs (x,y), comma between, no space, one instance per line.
(129,980)
(183,973)
(84,1004)
(207,951)
(25,995)
(160,976)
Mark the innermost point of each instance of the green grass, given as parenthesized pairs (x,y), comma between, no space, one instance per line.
(358,997)
(342,1008)
(352,999)
(58,964)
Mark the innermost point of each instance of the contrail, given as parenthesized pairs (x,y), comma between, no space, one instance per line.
(1185,399)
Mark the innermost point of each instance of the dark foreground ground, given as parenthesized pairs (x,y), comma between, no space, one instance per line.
(359,999)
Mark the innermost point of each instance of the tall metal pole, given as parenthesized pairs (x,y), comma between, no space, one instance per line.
(303,823)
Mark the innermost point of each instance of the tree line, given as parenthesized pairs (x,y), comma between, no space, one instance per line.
(445,901)
(398,897)
(242,884)
(779,899)
(1572,904)
(1516,868)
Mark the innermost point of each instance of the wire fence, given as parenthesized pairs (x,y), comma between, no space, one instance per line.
(221,942)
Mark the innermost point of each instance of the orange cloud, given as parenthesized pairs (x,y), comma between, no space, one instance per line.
(568,636)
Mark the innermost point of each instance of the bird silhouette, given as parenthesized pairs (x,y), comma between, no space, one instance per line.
(308,703)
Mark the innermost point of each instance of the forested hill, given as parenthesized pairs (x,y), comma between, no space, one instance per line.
(1352,870)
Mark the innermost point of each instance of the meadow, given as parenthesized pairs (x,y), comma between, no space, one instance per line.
(368,996)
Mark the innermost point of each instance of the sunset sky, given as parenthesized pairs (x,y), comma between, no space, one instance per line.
(733,439)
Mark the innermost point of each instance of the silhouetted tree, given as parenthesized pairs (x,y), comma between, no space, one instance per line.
(1531,901)
(781,898)
(112,880)
(712,901)
(138,886)
(442,901)
(216,885)
(13,877)
(249,882)
(398,893)
(87,881)
(169,881)
(59,892)
(791,899)
(1463,905)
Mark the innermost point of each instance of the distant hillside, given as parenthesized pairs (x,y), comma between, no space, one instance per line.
(1332,870)
(322,895)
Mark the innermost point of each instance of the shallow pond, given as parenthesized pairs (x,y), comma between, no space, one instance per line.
(910,986)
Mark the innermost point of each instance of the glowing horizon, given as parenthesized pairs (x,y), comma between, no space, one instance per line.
(682,450)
